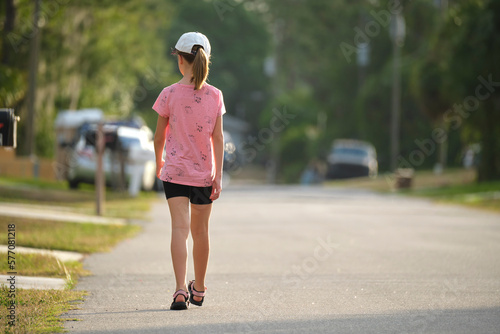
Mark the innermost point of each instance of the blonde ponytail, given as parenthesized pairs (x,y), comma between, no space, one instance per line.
(200,60)
(200,68)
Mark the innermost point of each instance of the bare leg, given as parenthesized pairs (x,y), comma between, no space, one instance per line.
(200,216)
(179,212)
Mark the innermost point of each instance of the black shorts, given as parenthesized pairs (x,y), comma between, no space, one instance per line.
(196,195)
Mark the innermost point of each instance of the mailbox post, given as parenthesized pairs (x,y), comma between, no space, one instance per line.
(100,143)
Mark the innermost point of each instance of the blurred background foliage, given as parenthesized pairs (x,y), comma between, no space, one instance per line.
(115,55)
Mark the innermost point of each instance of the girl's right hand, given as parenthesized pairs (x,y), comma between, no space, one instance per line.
(216,188)
(159,166)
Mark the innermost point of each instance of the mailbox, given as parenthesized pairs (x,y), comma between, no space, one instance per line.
(111,139)
(8,128)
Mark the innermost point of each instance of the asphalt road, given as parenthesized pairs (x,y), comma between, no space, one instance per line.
(308,260)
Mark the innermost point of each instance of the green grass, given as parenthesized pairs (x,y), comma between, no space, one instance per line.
(82,238)
(37,311)
(43,266)
(456,186)
(459,190)
(478,195)
(32,182)
(55,193)
(121,206)
(422,179)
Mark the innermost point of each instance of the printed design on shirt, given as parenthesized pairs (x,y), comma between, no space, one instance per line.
(169,138)
(173,118)
(208,119)
(168,178)
(163,101)
(179,172)
(208,182)
(181,147)
(191,138)
(172,89)
(209,147)
(203,156)
(197,99)
(199,127)
(173,152)
(197,167)
(188,110)
(207,92)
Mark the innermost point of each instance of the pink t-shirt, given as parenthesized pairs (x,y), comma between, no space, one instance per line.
(191,117)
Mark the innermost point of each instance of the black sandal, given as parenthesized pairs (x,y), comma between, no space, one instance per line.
(194,292)
(180,305)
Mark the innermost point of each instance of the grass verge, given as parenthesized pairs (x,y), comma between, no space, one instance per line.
(37,311)
(55,193)
(44,266)
(457,186)
(421,180)
(82,238)
(477,195)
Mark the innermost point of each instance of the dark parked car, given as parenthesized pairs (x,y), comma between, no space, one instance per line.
(351,158)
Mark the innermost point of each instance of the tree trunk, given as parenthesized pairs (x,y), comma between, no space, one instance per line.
(443,147)
(8,27)
(489,166)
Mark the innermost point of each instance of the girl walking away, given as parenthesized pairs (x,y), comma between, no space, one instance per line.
(190,127)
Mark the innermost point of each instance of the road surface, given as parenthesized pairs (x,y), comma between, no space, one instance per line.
(308,260)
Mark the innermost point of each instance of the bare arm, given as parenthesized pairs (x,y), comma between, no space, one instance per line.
(159,140)
(218,142)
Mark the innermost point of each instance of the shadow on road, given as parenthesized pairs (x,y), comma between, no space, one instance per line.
(482,320)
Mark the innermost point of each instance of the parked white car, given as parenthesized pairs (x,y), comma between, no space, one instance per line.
(138,156)
(351,158)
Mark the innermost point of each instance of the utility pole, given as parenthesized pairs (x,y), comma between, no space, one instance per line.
(33,69)
(271,70)
(363,54)
(443,6)
(395,105)
(398,32)
(443,146)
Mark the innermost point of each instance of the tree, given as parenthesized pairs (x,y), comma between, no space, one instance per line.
(317,53)
(90,57)
(240,44)
(457,82)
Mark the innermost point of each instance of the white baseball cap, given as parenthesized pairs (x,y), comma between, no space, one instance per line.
(188,40)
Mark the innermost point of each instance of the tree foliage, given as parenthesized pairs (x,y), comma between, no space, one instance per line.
(457,82)
(93,54)
(114,55)
(240,43)
(442,54)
